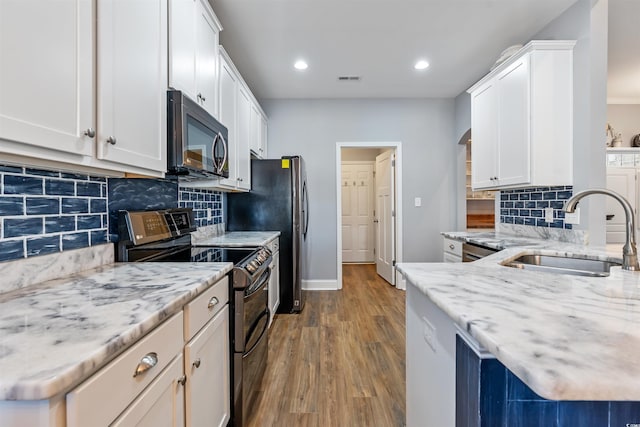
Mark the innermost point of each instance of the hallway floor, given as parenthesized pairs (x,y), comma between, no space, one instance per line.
(341,362)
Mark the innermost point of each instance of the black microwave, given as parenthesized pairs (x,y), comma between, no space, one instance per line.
(197,143)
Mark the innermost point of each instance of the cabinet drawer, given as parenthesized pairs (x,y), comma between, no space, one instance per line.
(204,307)
(453,247)
(100,399)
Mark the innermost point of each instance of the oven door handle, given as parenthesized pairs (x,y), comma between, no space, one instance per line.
(264,279)
(263,333)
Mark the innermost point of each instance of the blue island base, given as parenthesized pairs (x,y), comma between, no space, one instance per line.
(489,395)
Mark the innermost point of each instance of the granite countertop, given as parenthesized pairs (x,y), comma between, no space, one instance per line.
(494,240)
(57,333)
(239,239)
(567,337)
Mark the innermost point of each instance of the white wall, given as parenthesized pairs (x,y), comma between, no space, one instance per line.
(587,22)
(625,119)
(425,128)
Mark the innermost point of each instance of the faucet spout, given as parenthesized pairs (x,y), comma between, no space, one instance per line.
(629,251)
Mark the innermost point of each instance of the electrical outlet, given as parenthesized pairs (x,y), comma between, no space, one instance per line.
(572,218)
(429,333)
(548,214)
(417,202)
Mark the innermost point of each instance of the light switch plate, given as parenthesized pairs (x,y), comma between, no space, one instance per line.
(572,218)
(429,333)
(417,202)
(548,214)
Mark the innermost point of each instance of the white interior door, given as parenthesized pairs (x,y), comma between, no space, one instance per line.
(357,212)
(385,215)
(623,182)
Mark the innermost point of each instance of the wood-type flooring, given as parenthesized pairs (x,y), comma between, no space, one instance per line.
(341,362)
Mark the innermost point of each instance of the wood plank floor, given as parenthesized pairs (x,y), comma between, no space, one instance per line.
(341,362)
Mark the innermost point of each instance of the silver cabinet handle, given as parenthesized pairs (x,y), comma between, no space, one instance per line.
(147,362)
(196,363)
(182,380)
(451,246)
(202,98)
(111,140)
(213,302)
(90,132)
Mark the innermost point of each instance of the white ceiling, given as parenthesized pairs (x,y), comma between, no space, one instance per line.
(380,40)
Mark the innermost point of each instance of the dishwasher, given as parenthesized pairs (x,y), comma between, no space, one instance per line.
(472,252)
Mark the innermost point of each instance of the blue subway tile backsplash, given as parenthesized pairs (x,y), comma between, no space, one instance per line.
(39,211)
(46,211)
(525,206)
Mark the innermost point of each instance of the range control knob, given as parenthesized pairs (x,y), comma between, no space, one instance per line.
(255,264)
(250,268)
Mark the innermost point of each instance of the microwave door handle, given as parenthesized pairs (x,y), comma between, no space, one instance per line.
(219,165)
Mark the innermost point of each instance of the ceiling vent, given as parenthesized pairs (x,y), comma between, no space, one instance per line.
(349,78)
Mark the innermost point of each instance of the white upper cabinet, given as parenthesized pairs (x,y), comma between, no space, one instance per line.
(83,85)
(132,58)
(240,163)
(46,75)
(522,119)
(257,133)
(193,51)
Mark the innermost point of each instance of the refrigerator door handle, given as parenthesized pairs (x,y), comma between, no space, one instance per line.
(305,198)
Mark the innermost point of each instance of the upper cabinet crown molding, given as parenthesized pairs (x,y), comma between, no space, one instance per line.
(533,45)
(522,119)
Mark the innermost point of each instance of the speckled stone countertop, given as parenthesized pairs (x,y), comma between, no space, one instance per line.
(567,337)
(239,239)
(57,333)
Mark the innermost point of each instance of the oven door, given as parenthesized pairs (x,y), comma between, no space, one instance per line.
(250,361)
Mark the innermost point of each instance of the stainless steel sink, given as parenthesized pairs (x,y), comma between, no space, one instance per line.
(563,265)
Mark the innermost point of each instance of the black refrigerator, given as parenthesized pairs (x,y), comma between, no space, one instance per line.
(278,201)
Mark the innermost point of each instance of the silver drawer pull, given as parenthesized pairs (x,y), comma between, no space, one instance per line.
(196,363)
(213,302)
(182,380)
(451,246)
(147,362)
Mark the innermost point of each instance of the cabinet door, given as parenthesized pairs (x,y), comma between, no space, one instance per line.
(513,133)
(46,76)
(255,130)
(274,285)
(182,46)
(228,117)
(244,117)
(207,399)
(263,135)
(206,58)
(623,182)
(132,81)
(484,136)
(159,405)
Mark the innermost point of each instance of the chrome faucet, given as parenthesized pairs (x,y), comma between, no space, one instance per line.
(629,251)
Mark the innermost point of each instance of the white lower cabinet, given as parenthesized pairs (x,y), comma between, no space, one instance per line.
(452,250)
(124,378)
(161,404)
(160,380)
(274,280)
(206,366)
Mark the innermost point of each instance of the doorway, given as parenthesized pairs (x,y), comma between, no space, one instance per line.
(369,207)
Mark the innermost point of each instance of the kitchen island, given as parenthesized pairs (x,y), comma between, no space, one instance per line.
(58,333)
(567,338)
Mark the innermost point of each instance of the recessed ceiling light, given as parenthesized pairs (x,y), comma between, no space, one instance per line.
(421,65)
(301,65)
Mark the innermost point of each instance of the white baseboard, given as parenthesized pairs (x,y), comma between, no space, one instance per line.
(320,285)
